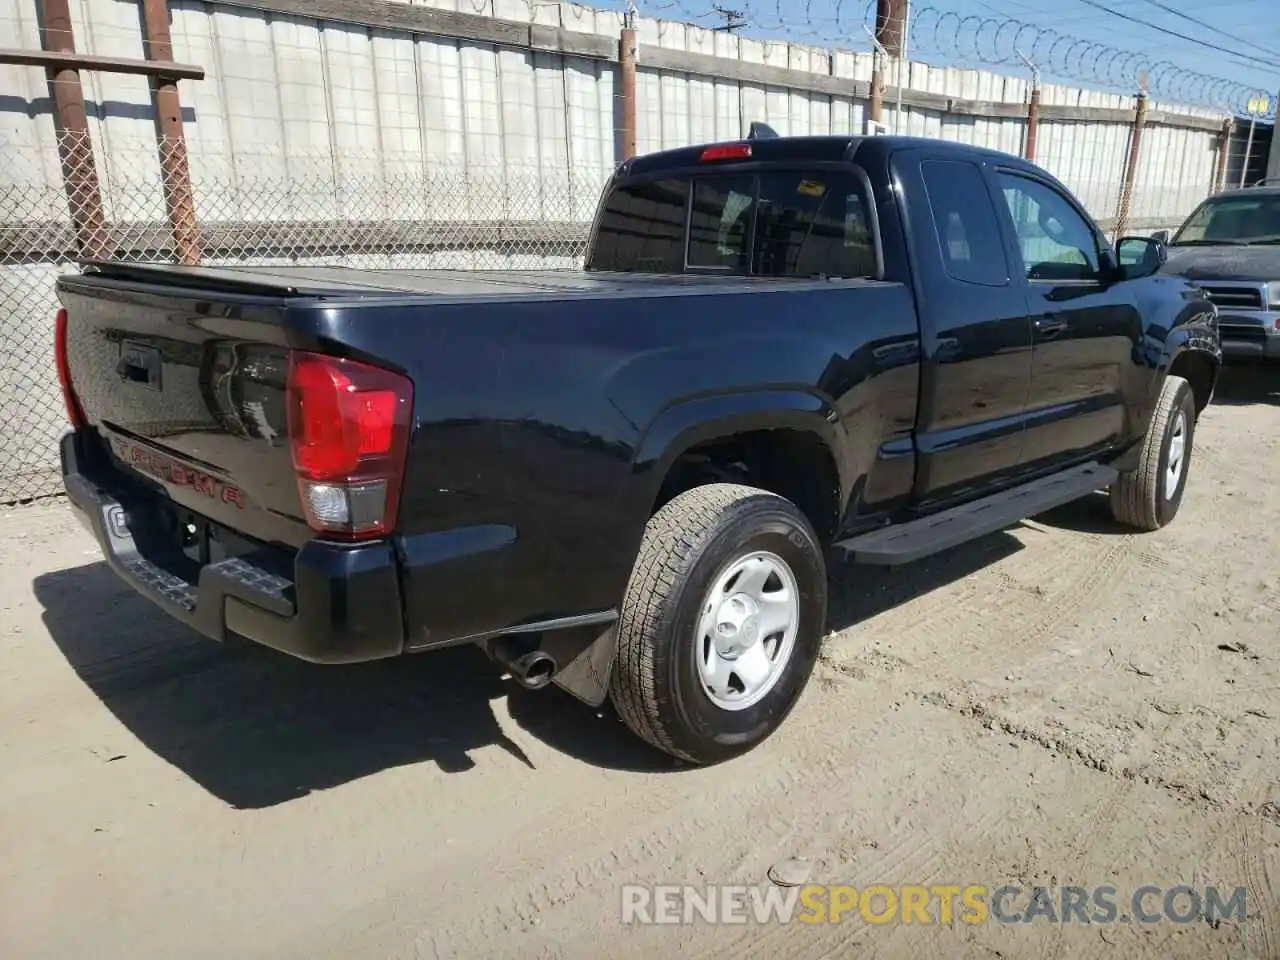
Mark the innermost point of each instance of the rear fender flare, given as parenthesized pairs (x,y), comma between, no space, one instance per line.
(684,425)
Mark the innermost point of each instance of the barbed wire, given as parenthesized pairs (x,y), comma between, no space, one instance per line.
(990,40)
(999,40)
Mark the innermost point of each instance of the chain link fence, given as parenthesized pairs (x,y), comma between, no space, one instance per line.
(365,211)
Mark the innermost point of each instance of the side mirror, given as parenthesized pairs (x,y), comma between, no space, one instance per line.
(1162,236)
(1140,256)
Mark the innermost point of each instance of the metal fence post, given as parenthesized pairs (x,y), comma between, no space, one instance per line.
(75,150)
(1224,155)
(1033,110)
(875,109)
(627,82)
(1033,124)
(174,165)
(1131,166)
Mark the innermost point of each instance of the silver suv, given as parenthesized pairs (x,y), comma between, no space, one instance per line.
(1230,246)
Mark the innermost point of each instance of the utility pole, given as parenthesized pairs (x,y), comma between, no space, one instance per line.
(891,25)
(733,19)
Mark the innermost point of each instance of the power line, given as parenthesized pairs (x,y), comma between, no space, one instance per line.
(733,19)
(1159,4)
(1272,64)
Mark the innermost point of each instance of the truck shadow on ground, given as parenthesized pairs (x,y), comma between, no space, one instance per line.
(1243,383)
(256,728)
(1090,514)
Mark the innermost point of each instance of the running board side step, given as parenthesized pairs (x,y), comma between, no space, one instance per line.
(905,542)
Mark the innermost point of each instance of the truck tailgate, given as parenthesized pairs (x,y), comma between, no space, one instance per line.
(187,393)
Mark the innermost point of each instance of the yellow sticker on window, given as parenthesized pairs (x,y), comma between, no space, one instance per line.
(810,188)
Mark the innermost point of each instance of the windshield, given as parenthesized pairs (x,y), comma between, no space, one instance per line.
(1234,220)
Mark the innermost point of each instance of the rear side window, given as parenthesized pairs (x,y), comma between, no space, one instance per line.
(965,222)
(720,222)
(812,223)
(642,228)
(779,223)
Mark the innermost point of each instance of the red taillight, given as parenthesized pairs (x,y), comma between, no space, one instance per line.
(75,414)
(727,151)
(348,435)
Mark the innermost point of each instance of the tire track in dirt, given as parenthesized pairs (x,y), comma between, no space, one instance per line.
(915,854)
(1259,929)
(628,839)
(1093,562)
(1095,832)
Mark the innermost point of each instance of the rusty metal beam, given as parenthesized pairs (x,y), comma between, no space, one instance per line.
(75,151)
(172,141)
(59,60)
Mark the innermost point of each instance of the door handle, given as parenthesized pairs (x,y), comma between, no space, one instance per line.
(1050,326)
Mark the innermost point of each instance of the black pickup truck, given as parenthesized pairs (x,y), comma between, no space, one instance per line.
(629,480)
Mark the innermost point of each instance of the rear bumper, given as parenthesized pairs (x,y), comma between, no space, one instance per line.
(340,605)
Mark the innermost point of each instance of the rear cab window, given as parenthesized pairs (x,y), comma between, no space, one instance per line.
(771,223)
(964,223)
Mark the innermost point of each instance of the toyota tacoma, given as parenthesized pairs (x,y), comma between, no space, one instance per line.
(629,480)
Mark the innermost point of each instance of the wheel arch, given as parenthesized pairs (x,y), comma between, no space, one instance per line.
(1200,368)
(802,423)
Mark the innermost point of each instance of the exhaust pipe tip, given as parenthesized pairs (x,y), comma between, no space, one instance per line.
(533,669)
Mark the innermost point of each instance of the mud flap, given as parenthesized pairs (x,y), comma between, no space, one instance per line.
(587,659)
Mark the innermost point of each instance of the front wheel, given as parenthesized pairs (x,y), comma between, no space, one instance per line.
(1148,496)
(721,623)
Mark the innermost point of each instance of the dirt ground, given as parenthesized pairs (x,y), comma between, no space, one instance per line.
(1062,703)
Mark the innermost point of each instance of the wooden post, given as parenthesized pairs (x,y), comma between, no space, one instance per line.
(75,151)
(1131,165)
(174,166)
(627,91)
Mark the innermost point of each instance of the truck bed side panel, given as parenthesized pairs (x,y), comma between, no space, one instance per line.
(529,419)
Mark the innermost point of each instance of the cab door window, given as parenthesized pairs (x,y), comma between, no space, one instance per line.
(1056,242)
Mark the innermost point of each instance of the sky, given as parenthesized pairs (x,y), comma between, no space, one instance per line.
(1218,52)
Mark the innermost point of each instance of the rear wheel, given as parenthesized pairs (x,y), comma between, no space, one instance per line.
(721,623)
(1148,496)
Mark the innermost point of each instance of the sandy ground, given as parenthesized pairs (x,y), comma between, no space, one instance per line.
(1061,703)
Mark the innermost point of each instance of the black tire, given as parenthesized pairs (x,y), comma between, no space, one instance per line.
(1139,498)
(655,685)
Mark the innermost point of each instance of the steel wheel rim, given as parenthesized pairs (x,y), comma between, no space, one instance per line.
(1177,456)
(747,630)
